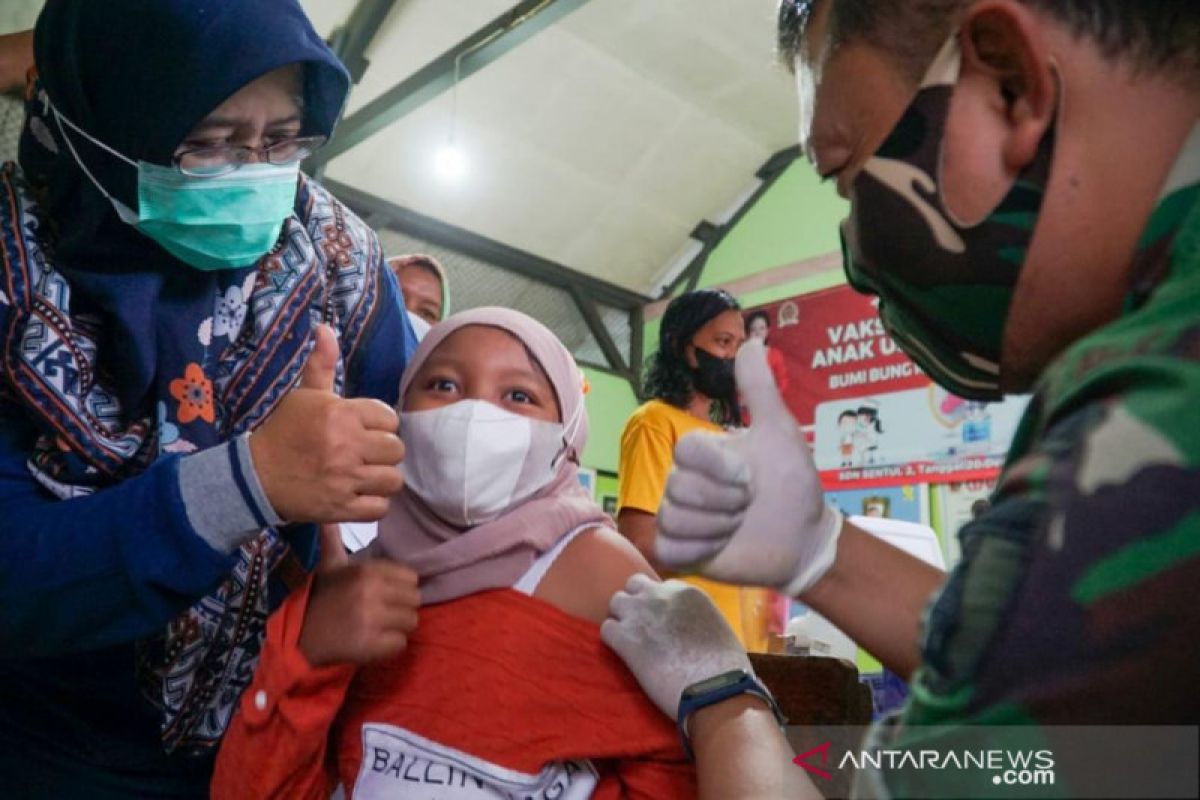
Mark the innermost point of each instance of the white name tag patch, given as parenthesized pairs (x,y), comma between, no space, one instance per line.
(398,764)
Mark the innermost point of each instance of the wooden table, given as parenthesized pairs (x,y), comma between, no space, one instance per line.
(822,692)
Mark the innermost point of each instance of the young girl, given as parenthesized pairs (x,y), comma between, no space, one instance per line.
(505,688)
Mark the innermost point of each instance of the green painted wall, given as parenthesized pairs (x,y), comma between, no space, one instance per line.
(795,220)
(605,485)
(609,404)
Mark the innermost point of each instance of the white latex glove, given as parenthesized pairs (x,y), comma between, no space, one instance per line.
(747,507)
(670,635)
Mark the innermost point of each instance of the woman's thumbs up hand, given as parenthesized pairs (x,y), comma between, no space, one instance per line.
(323,458)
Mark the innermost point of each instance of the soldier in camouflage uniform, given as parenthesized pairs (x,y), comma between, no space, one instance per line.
(1028,213)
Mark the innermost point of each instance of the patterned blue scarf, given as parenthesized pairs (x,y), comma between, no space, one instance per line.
(230,369)
(121,354)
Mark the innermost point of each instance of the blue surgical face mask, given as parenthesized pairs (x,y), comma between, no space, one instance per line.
(216,223)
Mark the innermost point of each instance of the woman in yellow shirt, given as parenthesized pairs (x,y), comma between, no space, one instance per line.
(691,386)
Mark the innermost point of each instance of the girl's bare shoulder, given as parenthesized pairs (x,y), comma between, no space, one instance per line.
(589,571)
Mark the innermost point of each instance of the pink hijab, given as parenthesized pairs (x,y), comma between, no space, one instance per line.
(453,562)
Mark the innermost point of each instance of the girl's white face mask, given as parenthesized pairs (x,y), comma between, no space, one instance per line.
(471,461)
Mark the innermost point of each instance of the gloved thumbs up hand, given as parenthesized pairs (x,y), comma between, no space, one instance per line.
(748,507)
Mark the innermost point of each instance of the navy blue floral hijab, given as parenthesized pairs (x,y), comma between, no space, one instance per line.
(138,76)
(119,353)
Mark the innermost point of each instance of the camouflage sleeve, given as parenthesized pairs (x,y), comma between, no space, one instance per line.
(1073,603)
(1073,600)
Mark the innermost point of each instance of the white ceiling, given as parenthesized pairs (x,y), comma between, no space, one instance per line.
(599,143)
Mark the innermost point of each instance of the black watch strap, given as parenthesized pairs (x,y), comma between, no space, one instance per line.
(715,690)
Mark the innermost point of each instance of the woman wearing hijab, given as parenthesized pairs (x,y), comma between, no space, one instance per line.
(164,278)
(426,288)
(505,689)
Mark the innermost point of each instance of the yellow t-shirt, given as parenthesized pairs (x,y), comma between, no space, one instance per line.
(647,452)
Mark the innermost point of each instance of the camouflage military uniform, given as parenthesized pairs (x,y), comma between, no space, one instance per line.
(1077,601)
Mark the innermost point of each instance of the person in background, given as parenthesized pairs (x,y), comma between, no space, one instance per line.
(758,326)
(775,607)
(426,290)
(980,507)
(16,57)
(185,316)
(691,387)
(505,688)
(427,301)
(1069,134)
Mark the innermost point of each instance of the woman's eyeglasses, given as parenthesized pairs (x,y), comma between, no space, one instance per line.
(211,162)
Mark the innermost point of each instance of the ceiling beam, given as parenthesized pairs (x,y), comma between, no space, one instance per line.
(481,48)
(777,164)
(488,250)
(591,315)
(350,41)
(712,235)
(637,330)
(705,232)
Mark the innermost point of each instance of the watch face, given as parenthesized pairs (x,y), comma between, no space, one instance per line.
(712,684)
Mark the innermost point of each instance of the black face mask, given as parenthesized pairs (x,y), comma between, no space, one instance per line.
(713,376)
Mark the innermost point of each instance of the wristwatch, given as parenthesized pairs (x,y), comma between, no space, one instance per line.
(713,690)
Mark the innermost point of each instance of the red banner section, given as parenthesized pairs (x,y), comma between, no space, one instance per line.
(830,345)
(873,418)
(974,469)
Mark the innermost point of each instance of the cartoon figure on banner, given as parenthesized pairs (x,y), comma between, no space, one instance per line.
(977,428)
(975,420)
(789,314)
(847,425)
(876,506)
(758,326)
(867,431)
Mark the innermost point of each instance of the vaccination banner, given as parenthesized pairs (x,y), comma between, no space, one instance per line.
(919,435)
(872,417)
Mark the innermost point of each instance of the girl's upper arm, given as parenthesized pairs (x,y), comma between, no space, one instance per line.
(590,570)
